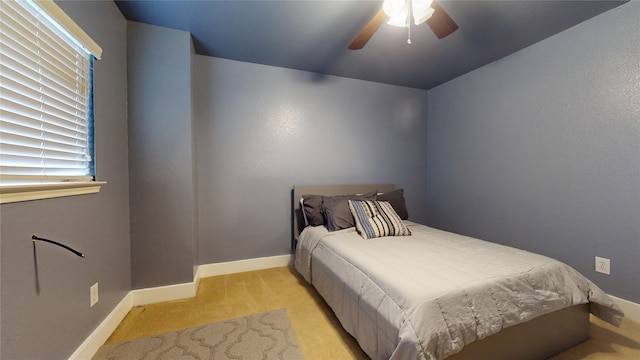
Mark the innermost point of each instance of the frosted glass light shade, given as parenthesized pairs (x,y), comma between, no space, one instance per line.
(422,10)
(398,11)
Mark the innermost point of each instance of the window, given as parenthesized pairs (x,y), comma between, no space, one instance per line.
(46,66)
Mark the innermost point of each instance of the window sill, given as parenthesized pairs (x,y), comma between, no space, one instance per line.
(9,194)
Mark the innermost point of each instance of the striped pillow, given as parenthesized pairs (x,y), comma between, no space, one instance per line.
(377,218)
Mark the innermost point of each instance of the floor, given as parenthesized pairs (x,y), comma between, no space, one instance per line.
(319,333)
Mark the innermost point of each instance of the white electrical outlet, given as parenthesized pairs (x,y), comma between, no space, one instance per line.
(603,265)
(93,294)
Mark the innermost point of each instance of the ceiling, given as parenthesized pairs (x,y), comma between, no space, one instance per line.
(313,35)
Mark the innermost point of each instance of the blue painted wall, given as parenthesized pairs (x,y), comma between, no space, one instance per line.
(260,130)
(45,298)
(541,150)
(161,158)
(263,129)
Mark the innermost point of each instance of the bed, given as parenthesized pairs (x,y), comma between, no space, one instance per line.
(435,294)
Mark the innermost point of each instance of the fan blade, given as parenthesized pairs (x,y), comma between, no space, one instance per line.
(440,22)
(368,31)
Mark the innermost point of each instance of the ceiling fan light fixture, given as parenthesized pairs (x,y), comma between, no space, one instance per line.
(421,10)
(399,11)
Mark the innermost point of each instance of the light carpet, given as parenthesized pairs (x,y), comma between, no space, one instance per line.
(261,336)
(317,329)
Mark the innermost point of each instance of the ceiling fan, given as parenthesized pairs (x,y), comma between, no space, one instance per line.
(399,14)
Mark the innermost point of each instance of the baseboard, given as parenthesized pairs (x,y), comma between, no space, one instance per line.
(631,309)
(167,293)
(233,267)
(164,293)
(90,346)
(187,290)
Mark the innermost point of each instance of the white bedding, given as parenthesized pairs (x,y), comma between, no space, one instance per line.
(427,295)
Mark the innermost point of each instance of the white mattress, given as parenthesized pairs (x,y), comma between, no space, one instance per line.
(427,295)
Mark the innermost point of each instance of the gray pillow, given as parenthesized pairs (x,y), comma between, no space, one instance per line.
(336,211)
(312,207)
(396,199)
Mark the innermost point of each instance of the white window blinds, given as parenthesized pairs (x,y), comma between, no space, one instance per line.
(44,99)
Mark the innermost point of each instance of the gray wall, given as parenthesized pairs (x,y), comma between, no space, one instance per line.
(46,313)
(263,129)
(161,156)
(541,150)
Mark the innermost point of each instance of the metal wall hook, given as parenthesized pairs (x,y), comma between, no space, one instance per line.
(35,237)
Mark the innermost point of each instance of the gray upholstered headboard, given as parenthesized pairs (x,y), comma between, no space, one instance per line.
(329,190)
